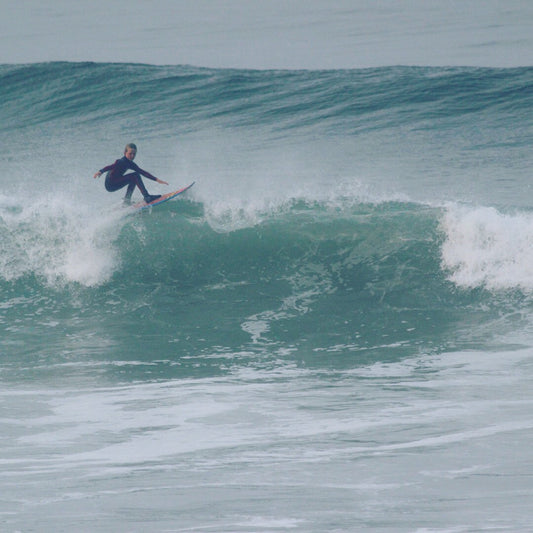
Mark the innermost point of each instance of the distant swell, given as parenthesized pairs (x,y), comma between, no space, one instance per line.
(377,97)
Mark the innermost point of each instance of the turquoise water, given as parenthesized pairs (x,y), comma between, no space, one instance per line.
(331,331)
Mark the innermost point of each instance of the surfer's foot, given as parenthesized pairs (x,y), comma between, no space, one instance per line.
(151,198)
(127,201)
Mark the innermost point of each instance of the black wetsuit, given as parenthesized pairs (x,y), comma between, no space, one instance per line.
(117,178)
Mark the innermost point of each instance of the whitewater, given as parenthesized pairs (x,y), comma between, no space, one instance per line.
(331,331)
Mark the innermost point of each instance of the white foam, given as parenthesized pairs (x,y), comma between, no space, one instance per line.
(263,196)
(486,248)
(57,239)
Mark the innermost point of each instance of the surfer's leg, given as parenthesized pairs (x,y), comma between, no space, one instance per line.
(129,191)
(131,180)
(114,184)
(137,180)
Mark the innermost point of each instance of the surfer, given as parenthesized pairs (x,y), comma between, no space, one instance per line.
(117,178)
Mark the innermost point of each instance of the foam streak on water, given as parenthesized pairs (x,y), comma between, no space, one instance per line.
(224,445)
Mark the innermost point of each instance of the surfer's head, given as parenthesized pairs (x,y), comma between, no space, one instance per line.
(130,151)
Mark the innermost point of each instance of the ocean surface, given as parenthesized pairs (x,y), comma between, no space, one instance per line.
(332,331)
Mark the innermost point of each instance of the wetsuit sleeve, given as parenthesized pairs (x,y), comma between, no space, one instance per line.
(138,169)
(109,167)
(147,174)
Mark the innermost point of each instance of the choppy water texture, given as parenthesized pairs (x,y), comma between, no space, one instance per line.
(332,330)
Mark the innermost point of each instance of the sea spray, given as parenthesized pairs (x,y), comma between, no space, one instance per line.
(59,240)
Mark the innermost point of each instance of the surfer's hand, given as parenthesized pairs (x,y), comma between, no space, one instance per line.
(97,175)
(161,181)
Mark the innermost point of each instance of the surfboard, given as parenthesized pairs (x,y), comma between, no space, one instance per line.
(162,199)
